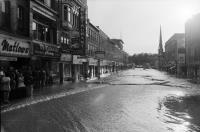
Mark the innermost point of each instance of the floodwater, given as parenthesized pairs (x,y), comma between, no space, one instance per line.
(135,100)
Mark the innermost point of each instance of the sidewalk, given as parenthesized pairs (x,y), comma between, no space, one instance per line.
(53,92)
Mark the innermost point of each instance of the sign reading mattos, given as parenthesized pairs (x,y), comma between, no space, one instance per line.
(11,47)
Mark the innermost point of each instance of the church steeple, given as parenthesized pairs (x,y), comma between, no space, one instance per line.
(160,49)
(160,52)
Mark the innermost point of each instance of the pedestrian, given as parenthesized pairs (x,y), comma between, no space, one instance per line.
(47,77)
(28,81)
(51,77)
(5,87)
(11,74)
(16,77)
(21,86)
(42,78)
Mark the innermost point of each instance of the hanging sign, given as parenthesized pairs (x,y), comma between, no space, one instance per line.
(100,54)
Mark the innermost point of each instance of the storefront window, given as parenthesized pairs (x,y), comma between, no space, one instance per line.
(41,32)
(55,69)
(67,70)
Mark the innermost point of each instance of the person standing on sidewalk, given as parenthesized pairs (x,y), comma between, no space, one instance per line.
(21,85)
(28,81)
(5,87)
(43,77)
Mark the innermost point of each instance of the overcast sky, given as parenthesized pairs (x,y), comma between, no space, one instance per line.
(138,21)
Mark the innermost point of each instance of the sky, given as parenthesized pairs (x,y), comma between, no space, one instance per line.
(137,22)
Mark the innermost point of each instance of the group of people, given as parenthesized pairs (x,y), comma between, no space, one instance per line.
(13,80)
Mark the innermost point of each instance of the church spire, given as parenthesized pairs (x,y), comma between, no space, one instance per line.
(160,49)
(160,52)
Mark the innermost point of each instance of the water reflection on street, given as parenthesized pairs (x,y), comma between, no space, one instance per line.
(181,113)
(134,101)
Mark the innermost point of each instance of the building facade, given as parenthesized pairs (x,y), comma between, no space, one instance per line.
(192,42)
(43,34)
(72,38)
(15,42)
(93,44)
(175,54)
(55,36)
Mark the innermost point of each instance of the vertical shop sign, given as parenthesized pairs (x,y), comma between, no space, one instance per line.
(79,48)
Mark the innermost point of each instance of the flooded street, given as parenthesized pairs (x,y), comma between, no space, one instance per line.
(135,100)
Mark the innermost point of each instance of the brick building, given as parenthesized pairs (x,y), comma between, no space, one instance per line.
(192,43)
(72,21)
(175,53)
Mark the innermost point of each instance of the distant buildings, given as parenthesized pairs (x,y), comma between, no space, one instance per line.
(182,51)
(175,53)
(192,44)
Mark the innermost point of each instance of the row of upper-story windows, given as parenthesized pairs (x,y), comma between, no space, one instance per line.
(93,36)
(41,32)
(91,50)
(71,15)
(64,39)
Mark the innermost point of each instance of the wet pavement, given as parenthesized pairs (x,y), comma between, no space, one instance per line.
(131,101)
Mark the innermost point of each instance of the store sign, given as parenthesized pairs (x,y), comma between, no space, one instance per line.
(100,54)
(12,47)
(78,45)
(46,50)
(104,63)
(78,59)
(66,57)
(92,62)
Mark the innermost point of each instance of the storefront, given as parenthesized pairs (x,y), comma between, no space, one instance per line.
(14,52)
(92,64)
(103,66)
(46,57)
(78,68)
(66,65)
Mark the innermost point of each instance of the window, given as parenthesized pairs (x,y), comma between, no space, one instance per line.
(20,13)
(62,39)
(5,14)
(69,14)
(65,13)
(3,6)
(20,17)
(34,29)
(65,40)
(41,32)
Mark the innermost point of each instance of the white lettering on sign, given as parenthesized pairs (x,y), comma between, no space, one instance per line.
(12,47)
(66,57)
(78,60)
